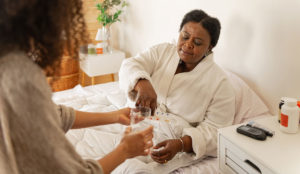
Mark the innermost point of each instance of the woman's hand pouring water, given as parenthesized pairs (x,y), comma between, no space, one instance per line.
(146,95)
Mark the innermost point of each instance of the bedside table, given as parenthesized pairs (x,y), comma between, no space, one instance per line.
(240,154)
(102,64)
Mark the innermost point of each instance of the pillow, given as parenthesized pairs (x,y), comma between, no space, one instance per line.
(248,105)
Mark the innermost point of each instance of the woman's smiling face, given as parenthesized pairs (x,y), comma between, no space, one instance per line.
(193,43)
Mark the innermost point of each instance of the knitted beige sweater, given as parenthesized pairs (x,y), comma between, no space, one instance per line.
(32,127)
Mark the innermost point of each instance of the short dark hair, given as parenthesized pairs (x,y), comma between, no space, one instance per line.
(211,24)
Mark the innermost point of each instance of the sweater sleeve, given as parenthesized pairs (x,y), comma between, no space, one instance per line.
(67,117)
(220,113)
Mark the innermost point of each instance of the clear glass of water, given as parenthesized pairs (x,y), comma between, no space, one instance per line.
(138,112)
(136,115)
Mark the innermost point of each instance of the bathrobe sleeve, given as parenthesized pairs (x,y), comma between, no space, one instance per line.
(220,113)
(140,67)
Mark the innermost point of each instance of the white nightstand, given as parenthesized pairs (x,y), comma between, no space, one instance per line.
(240,154)
(102,64)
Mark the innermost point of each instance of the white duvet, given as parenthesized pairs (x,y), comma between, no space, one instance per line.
(97,141)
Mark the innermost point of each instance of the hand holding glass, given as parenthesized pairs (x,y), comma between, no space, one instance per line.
(138,114)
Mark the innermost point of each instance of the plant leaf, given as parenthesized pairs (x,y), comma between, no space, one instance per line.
(106,8)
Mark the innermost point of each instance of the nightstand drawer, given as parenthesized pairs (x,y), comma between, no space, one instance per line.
(235,168)
(234,160)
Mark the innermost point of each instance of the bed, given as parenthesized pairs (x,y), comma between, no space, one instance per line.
(108,97)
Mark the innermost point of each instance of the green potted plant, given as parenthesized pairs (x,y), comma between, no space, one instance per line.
(110,11)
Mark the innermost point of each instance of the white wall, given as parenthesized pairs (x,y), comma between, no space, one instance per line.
(260,39)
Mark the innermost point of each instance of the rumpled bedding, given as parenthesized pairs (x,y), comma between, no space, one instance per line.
(95,142)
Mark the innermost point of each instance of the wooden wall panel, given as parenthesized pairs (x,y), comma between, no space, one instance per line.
(70,74)
(90,14)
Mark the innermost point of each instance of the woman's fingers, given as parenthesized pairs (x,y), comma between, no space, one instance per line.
(161,159)
(139,118)
(146,100)
(148,139)
(128,130)
(147,131)
(138,102)
(148,144)
(124,119)
(147,136)
(147,103)
(161,144)
(167,153)
(153,106)
(162,156)
(138,143)
(150,132)
(126,111)
(158,153)
(146,95)
(141,97)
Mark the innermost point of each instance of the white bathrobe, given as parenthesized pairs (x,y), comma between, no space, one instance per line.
(203,97)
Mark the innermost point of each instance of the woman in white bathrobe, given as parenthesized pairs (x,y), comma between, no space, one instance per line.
(185,81)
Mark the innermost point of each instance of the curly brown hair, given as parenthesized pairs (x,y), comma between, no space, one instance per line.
(44,29)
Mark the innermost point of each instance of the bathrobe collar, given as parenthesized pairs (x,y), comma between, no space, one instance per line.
(202,66)
(205,63)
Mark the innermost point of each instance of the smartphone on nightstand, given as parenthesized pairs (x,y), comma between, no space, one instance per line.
(252,132)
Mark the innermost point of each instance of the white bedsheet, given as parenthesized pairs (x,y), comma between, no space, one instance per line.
(97,141)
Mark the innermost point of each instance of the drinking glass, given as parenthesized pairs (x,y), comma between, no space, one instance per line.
(138,112)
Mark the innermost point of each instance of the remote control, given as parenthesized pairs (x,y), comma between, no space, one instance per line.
(252,132)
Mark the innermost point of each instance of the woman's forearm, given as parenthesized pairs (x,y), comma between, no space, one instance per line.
(112,160)
(87,119)
(187,144)
(131,145)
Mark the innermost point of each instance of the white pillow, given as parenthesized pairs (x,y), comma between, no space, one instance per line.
(248,104)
